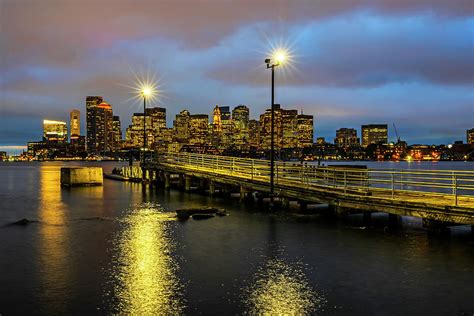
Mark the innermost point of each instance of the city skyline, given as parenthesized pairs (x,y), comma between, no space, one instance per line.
(348,67)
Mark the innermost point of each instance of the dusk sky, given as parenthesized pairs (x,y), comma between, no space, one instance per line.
(353,62)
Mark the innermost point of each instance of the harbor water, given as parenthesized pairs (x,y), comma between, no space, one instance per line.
(118,249)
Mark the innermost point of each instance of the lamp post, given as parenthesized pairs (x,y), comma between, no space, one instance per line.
(279,58)
(146,91)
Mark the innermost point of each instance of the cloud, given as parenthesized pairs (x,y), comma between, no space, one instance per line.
(355,60)
(367,51)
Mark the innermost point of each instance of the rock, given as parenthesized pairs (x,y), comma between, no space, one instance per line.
(21,222)
(188,212)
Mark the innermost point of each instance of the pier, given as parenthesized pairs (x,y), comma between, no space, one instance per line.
(440,198)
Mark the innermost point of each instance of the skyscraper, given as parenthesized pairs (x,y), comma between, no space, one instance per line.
(198,129)
(75,123)
(240,120)
(181,127)
(305,130)
(99,125)
(374,134)
(346,137)
(254,134)
(289,128)
(117,131)
(54,131)
(227,127)
(470,136)
(265,128)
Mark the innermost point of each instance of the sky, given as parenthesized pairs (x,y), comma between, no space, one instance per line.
(409,63)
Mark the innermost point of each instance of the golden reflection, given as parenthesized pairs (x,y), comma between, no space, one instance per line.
(53,239)
(281,289)
(145,276)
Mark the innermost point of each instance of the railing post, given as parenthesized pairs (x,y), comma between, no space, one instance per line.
(455,189)
(345,181)
(393,186)
(253,166)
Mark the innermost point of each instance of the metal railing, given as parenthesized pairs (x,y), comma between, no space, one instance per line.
(386,183)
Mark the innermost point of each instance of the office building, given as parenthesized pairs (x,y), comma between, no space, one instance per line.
(240,120)
(305,130)
(198,129)
(54,131)
(117,132)
(181,127)
(374,134)
(75,123)
(254,134)
(99,116)
(346,138)
(470,136)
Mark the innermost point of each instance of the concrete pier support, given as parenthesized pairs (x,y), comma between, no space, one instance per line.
(243,190)
(181,182)
(202,185)
(366,218)
(187,183)
(167,181)
(435,227)
(394,221)
(340,212)
(212,188)
(303,206)
(285,203)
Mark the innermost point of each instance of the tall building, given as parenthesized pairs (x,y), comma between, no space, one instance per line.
(99,117)
(470,136)
(117,131)
(374,134)
(346,137)
(227,127)
(181,127)
(289,128)
(240,120)
(216,120)
(288,133)
(134,132)
(75,123)
(198,129)
(254,134)
(54,131)
(265,128)
(305,130)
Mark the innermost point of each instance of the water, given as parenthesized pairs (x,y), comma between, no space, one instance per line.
(115,249)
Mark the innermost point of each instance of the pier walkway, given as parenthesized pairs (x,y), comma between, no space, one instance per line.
(441,196)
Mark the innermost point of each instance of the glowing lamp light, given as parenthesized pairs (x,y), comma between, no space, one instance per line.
(147,91)
(280,57)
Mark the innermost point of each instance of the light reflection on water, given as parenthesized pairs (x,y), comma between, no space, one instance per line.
(145,280)
(53,242)
(280,288)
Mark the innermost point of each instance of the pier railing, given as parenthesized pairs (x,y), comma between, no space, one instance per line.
(388,183)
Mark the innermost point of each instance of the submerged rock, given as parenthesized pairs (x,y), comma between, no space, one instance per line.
(21,222)
(188,212)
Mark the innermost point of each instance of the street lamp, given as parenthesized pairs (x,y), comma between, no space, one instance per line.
(279,57)
(146,91)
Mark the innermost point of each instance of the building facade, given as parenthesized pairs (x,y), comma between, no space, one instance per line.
(305,130)
(240,120)
(198,129)
(54,131)
(75,123)
(99,116)
(346,138)
(374,134)
(470,136)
